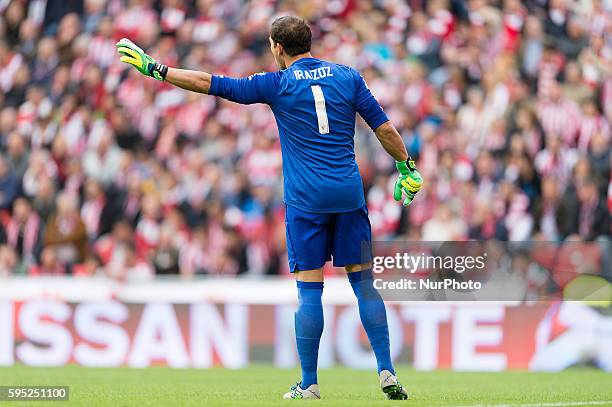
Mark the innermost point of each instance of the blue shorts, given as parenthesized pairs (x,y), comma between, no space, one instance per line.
(315,238)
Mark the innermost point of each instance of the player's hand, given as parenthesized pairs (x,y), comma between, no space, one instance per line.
(134,55)
(408,182)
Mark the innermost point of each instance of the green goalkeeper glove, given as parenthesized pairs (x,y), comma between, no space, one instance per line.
(134,55)
(408,182)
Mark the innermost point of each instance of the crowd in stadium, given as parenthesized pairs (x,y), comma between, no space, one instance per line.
(505,105)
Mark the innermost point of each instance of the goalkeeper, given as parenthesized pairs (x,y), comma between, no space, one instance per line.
(315,103)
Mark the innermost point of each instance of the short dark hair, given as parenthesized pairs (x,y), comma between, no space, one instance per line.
(292,33)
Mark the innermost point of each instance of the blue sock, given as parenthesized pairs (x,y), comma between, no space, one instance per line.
(308,329)
(373,317)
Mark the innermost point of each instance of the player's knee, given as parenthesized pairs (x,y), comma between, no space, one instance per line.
(351,268)
(315,275)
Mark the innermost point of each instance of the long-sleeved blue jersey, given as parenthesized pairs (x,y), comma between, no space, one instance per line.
(314,103)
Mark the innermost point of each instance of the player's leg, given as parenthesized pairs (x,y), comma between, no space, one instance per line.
(351,249)
(372,313)
(307,247)
(309,323)
(374,320)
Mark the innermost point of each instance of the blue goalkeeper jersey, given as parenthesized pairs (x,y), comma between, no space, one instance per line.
(314,103)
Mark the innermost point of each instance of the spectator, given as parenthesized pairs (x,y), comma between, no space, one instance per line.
(527,128)
(93,209)
(24,232)
(8,121)
(592,217)
(533,47)
(148,229)
(10,63)
(66,233)
(545,208)
(46,61)
(574,87)
(575,39)
(193,258)
(102,161)
(49,265)
(559,115)
(9,185)
(600,157)
(41,168)
(132,267)
(110,248)
(444,225)
(166,257)
(44,199)
(555,160)
(592,122)
(17,154)
(8,261)
(474,118)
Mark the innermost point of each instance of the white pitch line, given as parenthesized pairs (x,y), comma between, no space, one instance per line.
(558,404)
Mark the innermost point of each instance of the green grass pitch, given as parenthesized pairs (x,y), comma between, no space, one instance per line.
(264,385)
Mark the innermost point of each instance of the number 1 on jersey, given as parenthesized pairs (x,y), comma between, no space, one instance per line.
(319,99)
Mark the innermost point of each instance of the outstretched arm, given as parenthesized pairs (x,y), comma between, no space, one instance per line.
(191,80)
(258,88)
